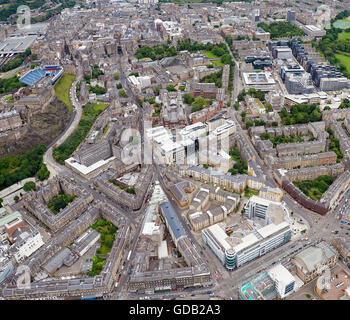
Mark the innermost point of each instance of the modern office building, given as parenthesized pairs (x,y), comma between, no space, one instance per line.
(299,83)
(284,280)
(238,249)
(259,207)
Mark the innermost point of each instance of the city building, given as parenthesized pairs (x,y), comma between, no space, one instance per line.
(312,261)
(284,280)
(241,247)
(85,242)
(172,221)
(272,194)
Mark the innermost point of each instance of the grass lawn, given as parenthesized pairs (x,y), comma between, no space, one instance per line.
(209,54)
(108,232)
(249,192)
(60,201)
(100,106)
(62,90)
(217,63)
(344,35)
(345,60)
(314,189)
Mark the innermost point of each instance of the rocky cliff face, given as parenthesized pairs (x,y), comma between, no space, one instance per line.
(42,127)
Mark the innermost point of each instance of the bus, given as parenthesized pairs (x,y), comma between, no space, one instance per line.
(339,284)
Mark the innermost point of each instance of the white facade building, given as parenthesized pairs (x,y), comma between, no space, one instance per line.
(225,130)
(257,207)
(139,83)
(233,251)
(27,245)
(284,280)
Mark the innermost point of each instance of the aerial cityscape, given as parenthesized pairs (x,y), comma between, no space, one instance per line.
(175,150)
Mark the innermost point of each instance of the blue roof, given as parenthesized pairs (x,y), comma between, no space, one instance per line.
(33,77)
(172,219)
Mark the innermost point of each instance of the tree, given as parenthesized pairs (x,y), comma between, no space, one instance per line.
(241,95)
(109,243)
(156,91)
(218,51)
(87,78)
(249,124)
(281,29)
(96,71)
(122,93)
(188,98)
(119,86)
(199,102)
(29,186)
(226,59)
(259,122)
(16,198)
(268,107)
(116,76)
(43,172)
(229,40)
(97,89)
(265,136)
(170,87)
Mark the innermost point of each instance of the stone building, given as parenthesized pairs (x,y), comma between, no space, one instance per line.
(36,202)
(10,121)
(312,261)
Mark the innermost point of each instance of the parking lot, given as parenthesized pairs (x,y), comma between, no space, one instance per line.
(339,282)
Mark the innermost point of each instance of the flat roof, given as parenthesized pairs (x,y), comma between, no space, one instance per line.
(247,241)
(272,228)
(9,218)
(281,273)
(84,169)
(251,78)
(220,236)
(312,27)
(263,201)
(16,44)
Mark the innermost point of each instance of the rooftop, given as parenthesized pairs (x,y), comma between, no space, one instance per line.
(172,219)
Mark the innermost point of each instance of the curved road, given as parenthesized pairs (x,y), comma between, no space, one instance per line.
(48,159)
